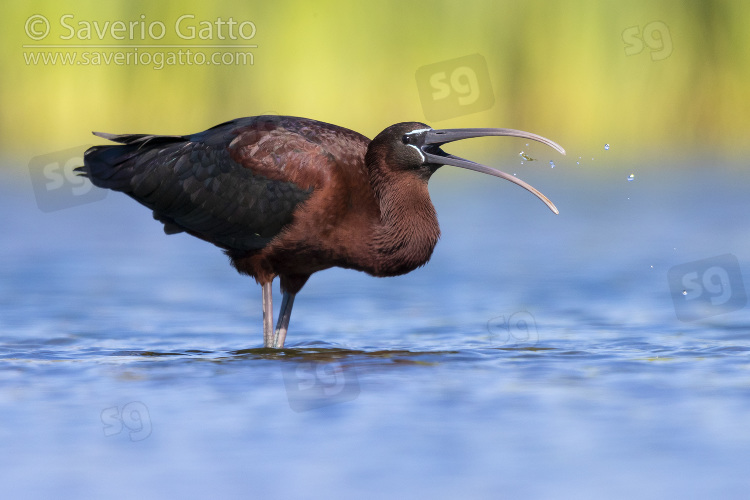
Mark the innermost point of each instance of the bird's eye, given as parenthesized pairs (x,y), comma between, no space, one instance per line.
(405,139)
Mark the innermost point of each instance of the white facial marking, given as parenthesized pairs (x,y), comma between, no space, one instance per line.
(418,151)
(418,131)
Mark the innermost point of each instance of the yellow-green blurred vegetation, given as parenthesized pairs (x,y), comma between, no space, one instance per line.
(557,68)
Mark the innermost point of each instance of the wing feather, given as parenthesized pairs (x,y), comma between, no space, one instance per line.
(201,185)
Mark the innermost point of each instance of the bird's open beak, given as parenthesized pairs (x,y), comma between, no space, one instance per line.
(429,143)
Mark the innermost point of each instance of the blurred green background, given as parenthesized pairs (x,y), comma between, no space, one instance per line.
(649,77)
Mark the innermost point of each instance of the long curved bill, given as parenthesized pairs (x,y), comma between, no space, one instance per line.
(433,139)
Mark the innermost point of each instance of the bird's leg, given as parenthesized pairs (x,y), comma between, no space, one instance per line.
(267,315)
(284,314)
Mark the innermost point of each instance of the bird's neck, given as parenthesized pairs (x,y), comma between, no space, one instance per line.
(408,229)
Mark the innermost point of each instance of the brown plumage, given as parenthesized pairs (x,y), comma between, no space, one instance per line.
(287,197)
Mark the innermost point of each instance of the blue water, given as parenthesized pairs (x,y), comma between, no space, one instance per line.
(535,356)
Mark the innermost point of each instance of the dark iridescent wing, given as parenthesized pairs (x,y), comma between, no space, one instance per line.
(236,198)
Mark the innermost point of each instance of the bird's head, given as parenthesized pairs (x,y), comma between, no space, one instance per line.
(415,147)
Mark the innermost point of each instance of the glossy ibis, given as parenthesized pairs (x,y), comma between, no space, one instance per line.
(286,196)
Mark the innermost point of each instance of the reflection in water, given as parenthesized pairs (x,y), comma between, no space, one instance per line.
(530,346)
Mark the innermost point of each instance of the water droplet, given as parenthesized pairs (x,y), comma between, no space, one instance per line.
(631,177)
(652,267)
(684,292)
(578,163)
(514,174)
(592,158)
(526,157)
(552,164)
(606,147)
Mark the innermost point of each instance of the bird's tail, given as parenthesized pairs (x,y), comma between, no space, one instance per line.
(109,166)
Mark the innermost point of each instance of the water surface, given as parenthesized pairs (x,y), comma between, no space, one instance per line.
(535,356)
